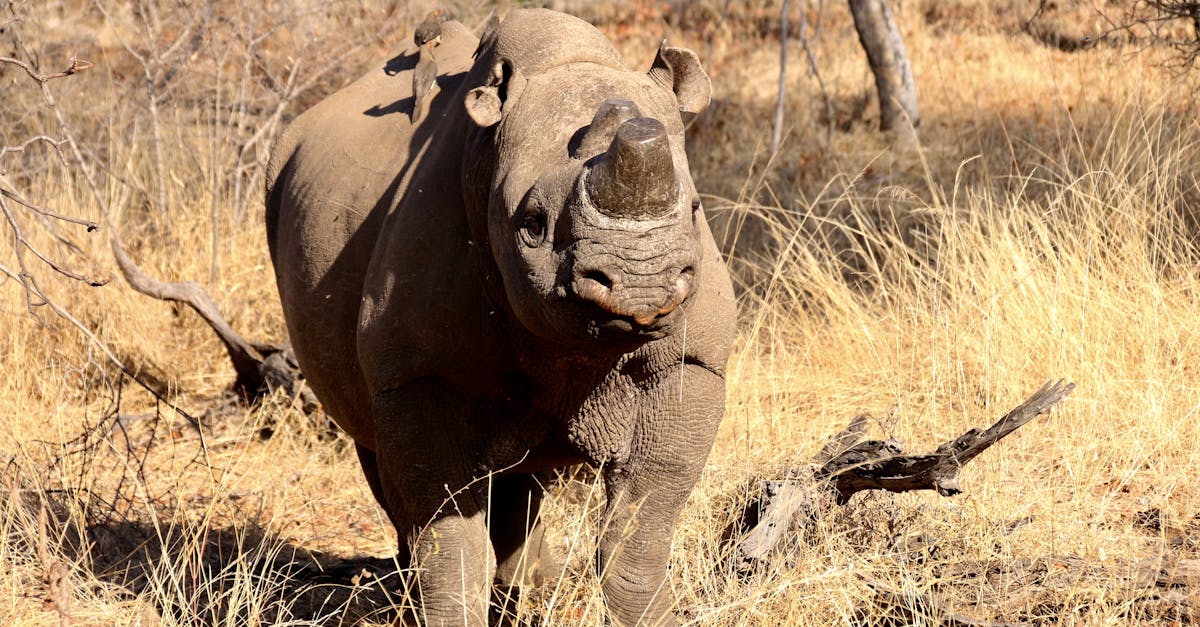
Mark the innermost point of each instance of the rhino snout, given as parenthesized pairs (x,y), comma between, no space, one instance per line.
(642,302)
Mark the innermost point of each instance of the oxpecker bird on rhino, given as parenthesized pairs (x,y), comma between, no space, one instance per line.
(518,279)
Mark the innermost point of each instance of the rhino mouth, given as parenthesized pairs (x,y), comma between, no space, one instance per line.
(612,302)
(600,290)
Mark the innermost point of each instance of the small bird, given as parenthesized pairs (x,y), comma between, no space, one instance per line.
(430,29)
(424,80)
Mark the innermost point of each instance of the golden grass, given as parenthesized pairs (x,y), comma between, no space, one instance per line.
(1044,228)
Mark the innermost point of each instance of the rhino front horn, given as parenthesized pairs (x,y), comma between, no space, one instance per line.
(635,177)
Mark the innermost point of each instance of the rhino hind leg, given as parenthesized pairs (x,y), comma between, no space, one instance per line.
(370,468)
(523,556)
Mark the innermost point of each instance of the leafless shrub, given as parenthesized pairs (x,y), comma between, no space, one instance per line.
(23,214)
(1172,23)
(1162,18)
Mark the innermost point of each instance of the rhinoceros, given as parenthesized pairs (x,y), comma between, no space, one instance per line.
(520,281)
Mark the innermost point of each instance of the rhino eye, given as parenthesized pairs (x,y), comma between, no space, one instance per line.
(533,229)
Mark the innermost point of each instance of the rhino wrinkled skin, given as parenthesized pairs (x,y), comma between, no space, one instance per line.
(523,280)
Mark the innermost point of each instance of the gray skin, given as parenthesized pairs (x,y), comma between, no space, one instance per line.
(523,280)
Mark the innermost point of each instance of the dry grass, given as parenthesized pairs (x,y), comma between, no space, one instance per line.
(1045,227)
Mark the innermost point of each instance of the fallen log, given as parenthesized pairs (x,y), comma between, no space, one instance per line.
(846,465)
(260,368)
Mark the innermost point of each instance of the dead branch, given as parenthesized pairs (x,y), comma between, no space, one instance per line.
(846,466)
(260,368)
(873,465)
(8,192)
(35,295)
(1170,23)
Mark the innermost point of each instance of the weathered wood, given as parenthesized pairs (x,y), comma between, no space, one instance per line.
(845,467)
(880,466)
(260,368)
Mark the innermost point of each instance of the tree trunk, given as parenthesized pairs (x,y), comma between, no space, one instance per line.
(889,62)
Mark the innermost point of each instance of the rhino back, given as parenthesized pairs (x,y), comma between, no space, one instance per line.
(331,179)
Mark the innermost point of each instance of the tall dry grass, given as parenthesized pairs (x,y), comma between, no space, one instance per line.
(1045,227)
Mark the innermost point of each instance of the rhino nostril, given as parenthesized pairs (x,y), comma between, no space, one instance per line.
(683,284)
(643,304)
(598,276)
(595,286)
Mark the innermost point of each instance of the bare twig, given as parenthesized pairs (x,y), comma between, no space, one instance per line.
(806,45)
(77,65)
(56,144)
(31,286)
(13,196)
(1027,25)
(35,296)
(9,192)
(23,245)
(1142,21)
(1172,10)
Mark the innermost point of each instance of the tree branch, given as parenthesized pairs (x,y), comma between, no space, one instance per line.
(260,368)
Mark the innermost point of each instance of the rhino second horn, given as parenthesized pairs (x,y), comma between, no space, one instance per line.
(609,117)
(635,178)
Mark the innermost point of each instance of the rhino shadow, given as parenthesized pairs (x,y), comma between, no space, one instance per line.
(193,573)
(405,106)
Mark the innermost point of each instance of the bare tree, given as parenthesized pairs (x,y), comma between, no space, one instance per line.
(889,63)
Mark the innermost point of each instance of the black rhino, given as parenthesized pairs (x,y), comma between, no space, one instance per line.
(523,280)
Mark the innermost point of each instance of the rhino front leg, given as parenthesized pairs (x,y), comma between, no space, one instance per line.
(426,466)
(647,491)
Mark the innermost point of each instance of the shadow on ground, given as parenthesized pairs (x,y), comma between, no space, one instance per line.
(243,574)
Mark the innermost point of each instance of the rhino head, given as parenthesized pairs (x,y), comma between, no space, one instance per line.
(591,216)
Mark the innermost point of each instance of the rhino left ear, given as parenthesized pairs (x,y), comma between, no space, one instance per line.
(678,69)
(484,104)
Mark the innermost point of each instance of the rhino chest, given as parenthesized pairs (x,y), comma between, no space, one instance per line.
(596,413)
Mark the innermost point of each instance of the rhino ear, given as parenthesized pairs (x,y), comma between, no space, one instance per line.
(678,69)
(485,103)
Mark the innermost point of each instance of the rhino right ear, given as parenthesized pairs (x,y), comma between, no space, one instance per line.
(485,103)
(679,70)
